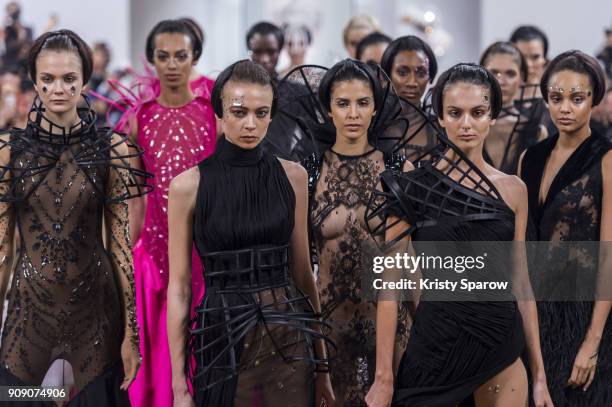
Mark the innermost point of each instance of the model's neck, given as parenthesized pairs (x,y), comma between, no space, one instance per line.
(66,120)
(571,140)
(350,146)
(175,97)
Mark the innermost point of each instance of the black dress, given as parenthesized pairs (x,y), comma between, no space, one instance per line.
(514,131)
(455,346)
(253,341)
(64,301)
(570,214)
(421,134)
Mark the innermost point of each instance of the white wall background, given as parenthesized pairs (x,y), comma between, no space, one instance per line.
(472,24)
(567,23)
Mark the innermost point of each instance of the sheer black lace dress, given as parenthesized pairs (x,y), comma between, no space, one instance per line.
(570,214)
(65,190)
(339,187)
(255,331)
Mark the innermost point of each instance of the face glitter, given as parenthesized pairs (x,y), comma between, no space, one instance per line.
(574,89)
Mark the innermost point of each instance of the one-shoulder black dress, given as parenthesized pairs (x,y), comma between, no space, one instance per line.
(455,345)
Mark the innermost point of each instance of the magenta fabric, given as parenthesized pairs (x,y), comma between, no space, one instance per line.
(174,140)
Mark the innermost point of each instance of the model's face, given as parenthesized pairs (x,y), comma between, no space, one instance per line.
(374,52)
(100,61)
(533,51)
(467,115)
(297,43)
(59,80)
(265,50)
(246,113)
(352,108)
(352,39)
(410,75)
(173,59)
(570,100)
(507,72)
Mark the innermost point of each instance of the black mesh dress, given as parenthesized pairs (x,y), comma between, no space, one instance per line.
(421,135)
(253,340)
(340,187)
(457,345)
(571,213)
(516,129)
(65,302)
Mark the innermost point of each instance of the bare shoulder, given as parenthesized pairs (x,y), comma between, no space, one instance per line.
(408,166)
(184,187)
(511,187)
(295,172)
(120,144)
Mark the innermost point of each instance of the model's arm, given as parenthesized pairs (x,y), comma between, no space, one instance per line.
(119,247)
(542,133)
(516,196)
(301,269)
(137,205)
(585,364)
(181,205)
(7,223)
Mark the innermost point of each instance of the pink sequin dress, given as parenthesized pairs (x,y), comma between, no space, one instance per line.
(173,139)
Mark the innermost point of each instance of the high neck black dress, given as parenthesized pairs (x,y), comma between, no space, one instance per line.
(253,341)
(570,213)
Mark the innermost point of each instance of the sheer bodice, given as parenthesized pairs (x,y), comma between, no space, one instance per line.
(341,187)
(67,194)
(512,134)
(570,218)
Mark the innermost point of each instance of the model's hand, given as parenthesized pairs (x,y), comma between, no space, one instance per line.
(380,394)
(541,396)
(585,364)
(183,399)
(324,394)
(131,362)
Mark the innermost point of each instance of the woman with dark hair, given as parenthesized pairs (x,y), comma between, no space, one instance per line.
(64,183)
(200,84)
(340,180)
(258,339)
(411,65)
(518,126)
(372,47)
(265,41)
(460,345)
(533,44)
(177,129)
(569,184)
